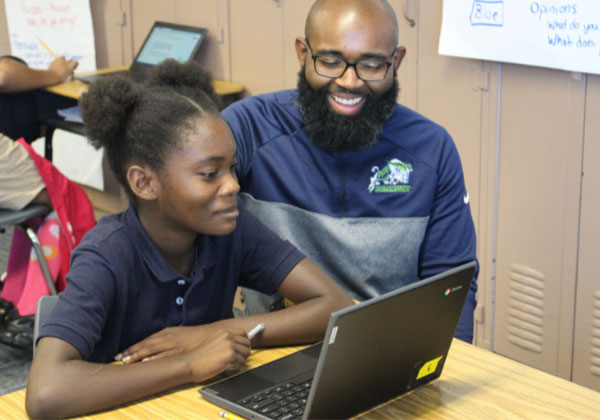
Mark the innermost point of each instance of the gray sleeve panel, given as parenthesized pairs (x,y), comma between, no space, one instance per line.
(368,256)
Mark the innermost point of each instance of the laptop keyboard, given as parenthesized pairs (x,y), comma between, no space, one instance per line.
(282,402)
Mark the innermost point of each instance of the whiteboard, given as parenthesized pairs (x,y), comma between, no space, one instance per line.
(65,26)
(560,34)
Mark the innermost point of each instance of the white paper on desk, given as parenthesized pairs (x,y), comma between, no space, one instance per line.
(77,159)
(71,114)
(65,26)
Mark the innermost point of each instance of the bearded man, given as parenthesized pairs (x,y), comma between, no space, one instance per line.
(369,189)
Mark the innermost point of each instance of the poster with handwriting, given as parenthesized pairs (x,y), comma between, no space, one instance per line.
(560,34)
(39,29)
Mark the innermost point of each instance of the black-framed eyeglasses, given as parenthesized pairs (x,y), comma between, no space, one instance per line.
(369,69)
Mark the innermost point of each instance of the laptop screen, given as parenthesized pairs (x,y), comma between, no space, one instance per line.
(170,41)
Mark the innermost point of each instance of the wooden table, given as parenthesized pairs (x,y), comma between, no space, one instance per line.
(74,88)
(475,384)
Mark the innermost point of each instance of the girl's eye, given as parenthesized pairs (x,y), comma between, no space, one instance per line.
(208,175)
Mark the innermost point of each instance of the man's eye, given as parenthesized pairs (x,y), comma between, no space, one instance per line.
(330,62)
(372,65)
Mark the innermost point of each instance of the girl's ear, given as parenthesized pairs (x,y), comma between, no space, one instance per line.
(143,182)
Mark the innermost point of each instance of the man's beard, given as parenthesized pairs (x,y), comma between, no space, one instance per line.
(334,132)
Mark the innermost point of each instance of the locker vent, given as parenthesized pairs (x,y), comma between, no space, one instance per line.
(595,353)
(526,308)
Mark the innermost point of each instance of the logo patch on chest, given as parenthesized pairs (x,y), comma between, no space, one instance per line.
(392,178)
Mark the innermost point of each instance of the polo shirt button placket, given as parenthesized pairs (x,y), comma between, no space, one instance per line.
(179,299)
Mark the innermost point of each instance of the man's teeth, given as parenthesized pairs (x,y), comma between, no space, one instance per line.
(344,101)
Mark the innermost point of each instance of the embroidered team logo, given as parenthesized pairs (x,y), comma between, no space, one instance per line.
(392,178)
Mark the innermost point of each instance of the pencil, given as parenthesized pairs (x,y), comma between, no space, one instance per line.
(228,416)
(46,47)
(256,330)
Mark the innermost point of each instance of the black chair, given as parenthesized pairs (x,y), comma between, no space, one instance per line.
(43,309)
(18,219)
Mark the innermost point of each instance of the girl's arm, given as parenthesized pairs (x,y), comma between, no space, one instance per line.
(62,385)
(315,297)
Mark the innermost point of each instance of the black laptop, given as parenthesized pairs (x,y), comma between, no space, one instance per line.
(372,353)
(165,40)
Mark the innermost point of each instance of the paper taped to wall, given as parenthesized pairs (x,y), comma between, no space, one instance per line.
(561,34)
(40,28)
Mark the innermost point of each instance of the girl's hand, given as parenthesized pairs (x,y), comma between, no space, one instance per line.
(170,341)
(221,351)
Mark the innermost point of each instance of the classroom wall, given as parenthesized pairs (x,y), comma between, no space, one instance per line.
(4,41)
(527,138)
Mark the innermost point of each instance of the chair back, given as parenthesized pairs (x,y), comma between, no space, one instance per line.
(44,307)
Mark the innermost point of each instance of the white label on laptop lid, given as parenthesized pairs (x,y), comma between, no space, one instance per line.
(333,334)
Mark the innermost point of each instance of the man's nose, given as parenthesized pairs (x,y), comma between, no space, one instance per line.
(349,79)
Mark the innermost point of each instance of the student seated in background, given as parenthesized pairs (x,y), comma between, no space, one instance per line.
(21,182)
(156,283)
(26,177)
(22,104)
(21,185)
(19,109)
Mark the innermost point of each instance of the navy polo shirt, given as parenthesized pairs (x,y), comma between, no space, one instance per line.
(120,289)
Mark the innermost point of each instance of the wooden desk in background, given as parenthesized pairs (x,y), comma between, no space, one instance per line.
(74,88)
(475,384)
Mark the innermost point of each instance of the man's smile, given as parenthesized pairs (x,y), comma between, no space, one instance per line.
(346,105)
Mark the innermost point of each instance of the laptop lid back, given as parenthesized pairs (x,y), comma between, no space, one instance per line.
(168,40)
(386,346)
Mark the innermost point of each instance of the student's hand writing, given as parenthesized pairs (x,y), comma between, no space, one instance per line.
(221,351)
(62,68)
(167,342)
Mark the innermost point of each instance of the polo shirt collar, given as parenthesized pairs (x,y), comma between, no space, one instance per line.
(206,252)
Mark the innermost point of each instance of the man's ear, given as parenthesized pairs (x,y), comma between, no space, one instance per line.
(143,182)
(399,56)
(301,50)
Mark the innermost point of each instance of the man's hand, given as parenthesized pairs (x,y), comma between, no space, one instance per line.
(62,68)
(167,342)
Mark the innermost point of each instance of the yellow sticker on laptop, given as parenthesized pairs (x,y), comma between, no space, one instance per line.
(429,368)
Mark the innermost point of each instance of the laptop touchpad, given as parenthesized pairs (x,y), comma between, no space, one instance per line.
(266,376)
(286,368)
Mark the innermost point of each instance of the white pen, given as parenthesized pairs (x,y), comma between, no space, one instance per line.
(256,330)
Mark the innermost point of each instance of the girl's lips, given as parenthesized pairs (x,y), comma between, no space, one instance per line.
(229,212)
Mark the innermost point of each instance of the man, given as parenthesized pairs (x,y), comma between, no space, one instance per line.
(22,105)
(369,189)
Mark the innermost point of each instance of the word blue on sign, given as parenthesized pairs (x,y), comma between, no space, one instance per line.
(487,13)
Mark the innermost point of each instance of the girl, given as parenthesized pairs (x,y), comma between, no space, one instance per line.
(156,283)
